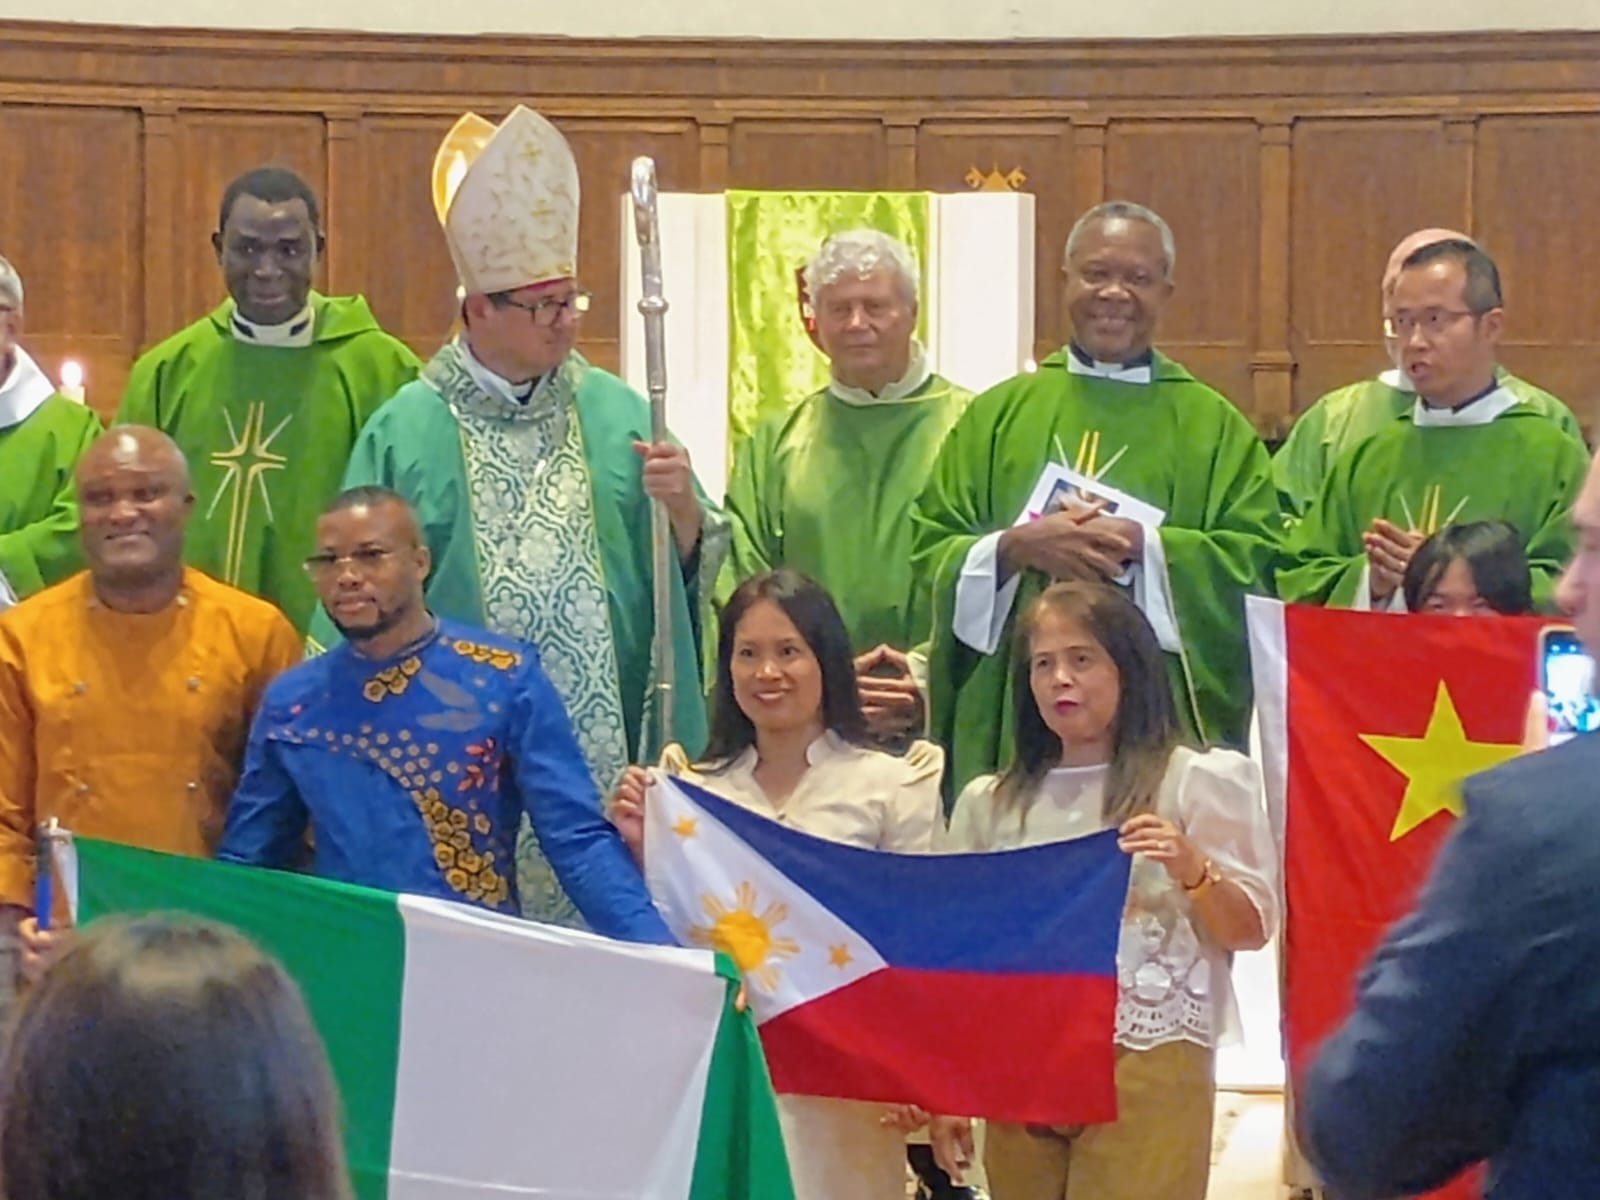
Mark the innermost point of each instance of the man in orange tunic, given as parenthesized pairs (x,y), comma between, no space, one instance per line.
(127,690)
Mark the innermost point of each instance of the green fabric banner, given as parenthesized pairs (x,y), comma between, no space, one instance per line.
(772,362)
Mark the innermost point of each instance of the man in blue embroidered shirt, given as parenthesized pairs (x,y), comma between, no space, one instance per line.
(412,749)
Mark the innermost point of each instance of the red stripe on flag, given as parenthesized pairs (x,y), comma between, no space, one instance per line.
(1035,1049)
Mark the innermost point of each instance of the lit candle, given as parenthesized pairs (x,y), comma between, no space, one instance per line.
(72,380)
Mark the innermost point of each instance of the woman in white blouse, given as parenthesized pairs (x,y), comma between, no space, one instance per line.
(787,738)
(1097,747)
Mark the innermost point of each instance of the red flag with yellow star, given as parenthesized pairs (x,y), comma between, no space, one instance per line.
(1369,722)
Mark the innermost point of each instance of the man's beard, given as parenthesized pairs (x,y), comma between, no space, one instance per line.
(365,633)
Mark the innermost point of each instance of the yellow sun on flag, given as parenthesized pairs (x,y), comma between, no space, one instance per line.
(747,936)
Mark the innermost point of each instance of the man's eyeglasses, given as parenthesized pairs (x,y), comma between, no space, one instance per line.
(1432,322)
(548,311)
(365,561)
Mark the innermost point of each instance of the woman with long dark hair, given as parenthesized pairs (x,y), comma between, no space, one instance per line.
(167,1059)
(787,740)
(1475,569)
(1098,747)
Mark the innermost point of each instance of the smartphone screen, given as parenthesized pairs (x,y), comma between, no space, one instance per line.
(1567,677)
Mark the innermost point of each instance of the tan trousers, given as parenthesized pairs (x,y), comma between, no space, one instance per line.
(1158,1148)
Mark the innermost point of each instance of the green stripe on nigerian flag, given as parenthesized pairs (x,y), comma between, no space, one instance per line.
(326,935)
(480,1055)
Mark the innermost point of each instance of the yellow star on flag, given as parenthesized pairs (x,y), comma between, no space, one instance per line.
(839,956)
(685,826)
(1435,764)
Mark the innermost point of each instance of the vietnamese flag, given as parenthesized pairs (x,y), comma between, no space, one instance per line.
(1369,722)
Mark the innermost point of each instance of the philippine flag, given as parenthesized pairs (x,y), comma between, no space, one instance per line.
(975,984)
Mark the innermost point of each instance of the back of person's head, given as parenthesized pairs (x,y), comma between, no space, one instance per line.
(1496,565)
(1145,730)
(814,615)
(167,1059)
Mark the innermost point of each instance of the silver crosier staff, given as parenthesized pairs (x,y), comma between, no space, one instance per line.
(653,308)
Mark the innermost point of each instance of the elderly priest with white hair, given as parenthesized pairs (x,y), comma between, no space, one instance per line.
(827,486)
(42,436)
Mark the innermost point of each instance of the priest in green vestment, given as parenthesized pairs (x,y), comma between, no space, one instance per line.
(1469,449)
(265,395)
(1348,416)
(1125,416)
(532,471)
(42,434)
(827,487)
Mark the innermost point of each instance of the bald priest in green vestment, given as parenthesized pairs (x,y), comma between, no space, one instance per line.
(827,487)
(1468,449)
(42,435)
(1173,500)
(266,394)
(1348,416)
(532,471)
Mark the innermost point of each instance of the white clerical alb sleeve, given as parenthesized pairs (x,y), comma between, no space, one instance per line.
(7,596)
(982,602)
(1152,591)
(1396,603)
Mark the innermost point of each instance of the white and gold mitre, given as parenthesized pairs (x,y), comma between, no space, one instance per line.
(507,197)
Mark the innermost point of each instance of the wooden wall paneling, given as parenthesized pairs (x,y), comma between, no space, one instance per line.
(345,261)
(1273,363)
(1359,186)
(158,131)
(947,151)
(714,134)
(213,148)
(821,154)
(408,277)
(1386,134)
(72,182)
(1538,208)
(605,151)
(1203,178)
(1088,164)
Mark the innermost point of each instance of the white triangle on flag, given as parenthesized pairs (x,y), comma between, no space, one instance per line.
(713,890)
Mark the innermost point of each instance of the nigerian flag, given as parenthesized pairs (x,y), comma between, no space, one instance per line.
(481,1055)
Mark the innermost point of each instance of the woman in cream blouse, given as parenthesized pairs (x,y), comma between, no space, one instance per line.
(787,738)
(1097,747)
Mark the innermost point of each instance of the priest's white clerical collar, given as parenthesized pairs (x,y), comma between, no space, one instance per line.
(24,390)
(1480,410)
(1140,370)
(519,395)
(298,331)
(915,376)
(1397,379)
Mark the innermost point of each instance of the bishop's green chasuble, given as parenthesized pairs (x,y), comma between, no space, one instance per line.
(267,431)
(1520,467)
(1345,418)
(38,505)
(827,488)
(1178,445)
(539,528)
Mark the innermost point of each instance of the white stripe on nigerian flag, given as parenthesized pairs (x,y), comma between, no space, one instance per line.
(480,1056)
(713,890)
(534,1053)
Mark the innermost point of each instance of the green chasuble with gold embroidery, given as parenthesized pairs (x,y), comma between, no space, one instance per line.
(827,488)
(38,506)
(1177,445)
(539,528)
(1348,416)
(267,431)
(1520,467)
